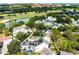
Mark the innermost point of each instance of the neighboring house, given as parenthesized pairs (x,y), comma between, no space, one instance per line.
(56,25)
(4,21)
(22,28)
(51,19)
(45,43)
(29,44)
(4,41)
(35,45)
(50,22)
(41,5)
(74,22)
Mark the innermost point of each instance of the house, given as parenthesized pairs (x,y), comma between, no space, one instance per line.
(22,28)
(51,19)
(40,5)
(5,38)
(4,41)
(74,22)
(56,25)
(40,47)
(35,45)
(29,44)
(47,24)
(4,21)
(45,43)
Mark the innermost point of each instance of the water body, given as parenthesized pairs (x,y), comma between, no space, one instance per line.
(24,20)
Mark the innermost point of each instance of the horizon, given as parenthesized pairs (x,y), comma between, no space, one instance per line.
(40,1)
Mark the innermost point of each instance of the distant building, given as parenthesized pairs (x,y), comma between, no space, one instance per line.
(41,5)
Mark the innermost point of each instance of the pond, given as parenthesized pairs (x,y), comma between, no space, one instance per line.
(24,20)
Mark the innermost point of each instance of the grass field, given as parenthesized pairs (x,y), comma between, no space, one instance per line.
(21,15)
(24,15)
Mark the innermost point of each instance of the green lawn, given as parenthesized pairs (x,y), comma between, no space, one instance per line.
(21,15)
(24,15)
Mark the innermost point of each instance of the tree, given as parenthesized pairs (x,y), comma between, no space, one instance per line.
(2,25)
(78,39)
(21,36)
(41,36)
(1,17)
(6,32)
(67,20)
(76,29)
(42,17)
(31,23)
(69,35)
(63,19)
(40,26)
(37,33)
(12,24)
(59,18)
(53,14)
(66,27)
(20,23)
(55,35)
(14,47)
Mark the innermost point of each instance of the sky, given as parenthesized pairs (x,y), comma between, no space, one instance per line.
(39,1)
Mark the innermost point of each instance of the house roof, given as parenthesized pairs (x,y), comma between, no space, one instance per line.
(22,28)
(4,21)
(41,5)
(40,47)
(47,39)
(4,38)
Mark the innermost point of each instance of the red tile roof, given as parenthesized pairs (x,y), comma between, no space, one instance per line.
(41,5)
(3,38)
